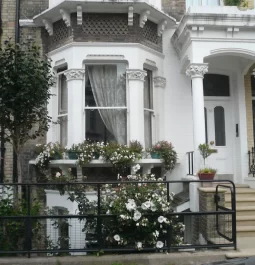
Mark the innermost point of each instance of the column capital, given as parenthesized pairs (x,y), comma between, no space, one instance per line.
(197,70)
(74,74)
(159,81)
(136,74)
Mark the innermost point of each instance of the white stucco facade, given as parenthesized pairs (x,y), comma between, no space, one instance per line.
(209,40)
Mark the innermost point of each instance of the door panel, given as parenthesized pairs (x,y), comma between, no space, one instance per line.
(219,130)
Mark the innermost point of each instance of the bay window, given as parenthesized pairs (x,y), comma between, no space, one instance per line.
(105,102)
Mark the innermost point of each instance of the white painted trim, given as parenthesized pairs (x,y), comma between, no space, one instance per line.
(106,44)
(26,23)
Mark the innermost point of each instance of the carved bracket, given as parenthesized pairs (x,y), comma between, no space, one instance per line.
(48,26)
(79,15)
(66,17)
(159,81)
(130,16)
(136,74)
(161,27)
(74,74)
(143,17)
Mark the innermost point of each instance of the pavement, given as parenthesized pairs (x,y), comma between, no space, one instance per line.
(245,248)
(182,258)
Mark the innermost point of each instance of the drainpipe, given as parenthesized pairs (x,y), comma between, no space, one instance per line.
(17,33)
(2,128)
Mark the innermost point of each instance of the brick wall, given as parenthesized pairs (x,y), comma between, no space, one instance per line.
(31,8)
(175,8)
(248,103)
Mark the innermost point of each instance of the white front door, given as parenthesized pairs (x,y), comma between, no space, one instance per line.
(219,135)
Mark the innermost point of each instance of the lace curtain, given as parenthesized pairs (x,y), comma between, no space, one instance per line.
(109,90)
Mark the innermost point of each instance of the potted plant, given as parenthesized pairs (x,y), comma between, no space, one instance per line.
(165,151)
(136,146)
(206,173)
(73,151)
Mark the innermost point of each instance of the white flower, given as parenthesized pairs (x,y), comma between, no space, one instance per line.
(108,212)
(137,216)
(58,174)
(136,168)
(117,237)
(161,219)
(139,245)
(159,244)
(146,205)
(131,205)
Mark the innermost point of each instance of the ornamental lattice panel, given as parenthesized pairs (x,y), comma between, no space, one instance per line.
(150,32)
(61,31)
(110,24)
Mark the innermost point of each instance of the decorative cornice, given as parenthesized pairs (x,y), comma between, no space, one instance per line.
(136,74)
(74,74)
(197,70)
(143,18)
(159,81)
(66,17)
(131,16)
(79,15)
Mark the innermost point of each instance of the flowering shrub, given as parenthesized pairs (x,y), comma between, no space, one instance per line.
(121,156)
(89,150)
(48,152)
(135,146)
(142,213)
(166,152)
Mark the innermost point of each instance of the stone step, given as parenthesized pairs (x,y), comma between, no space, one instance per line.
(245,231)
(241,202)
(245,220)
(245,210)
(238,186)
(241,193)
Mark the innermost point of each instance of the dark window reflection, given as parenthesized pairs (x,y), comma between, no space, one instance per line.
(216,85)
(219,123)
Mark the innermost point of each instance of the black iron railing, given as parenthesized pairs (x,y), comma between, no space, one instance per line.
(190,163)
(67,232)
(251,155)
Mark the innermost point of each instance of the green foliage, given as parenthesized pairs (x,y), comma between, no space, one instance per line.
(25,80)
(13,231)
(205,151)
(135,146)
(232,2)
(166,152)
(207,170)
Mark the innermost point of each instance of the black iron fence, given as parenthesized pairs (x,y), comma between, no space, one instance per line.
(190,156)
(251,155)
(77,218)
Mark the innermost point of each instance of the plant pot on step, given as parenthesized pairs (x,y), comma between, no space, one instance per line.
(155,155)
(206,176)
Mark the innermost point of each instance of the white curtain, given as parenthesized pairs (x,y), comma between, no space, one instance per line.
(109,90)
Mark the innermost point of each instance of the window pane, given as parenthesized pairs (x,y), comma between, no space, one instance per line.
(147,129)
(216,85)
(253,85)
(106,85)
(148,90)
(116,130)
(63,95)
(63,123)
(148,104)
(206,131)
(219,123)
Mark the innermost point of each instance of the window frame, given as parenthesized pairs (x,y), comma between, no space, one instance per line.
(60,114)
(151,103)
(86,108)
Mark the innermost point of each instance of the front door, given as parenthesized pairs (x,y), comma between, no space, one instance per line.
(219,135)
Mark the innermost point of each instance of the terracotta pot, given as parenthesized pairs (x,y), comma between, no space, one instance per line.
(206,176)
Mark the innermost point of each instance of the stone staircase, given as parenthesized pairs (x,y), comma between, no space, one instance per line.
(245,210)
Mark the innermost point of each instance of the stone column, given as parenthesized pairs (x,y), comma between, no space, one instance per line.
(74,78)
(135,79)
(159,83)
(196,72)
